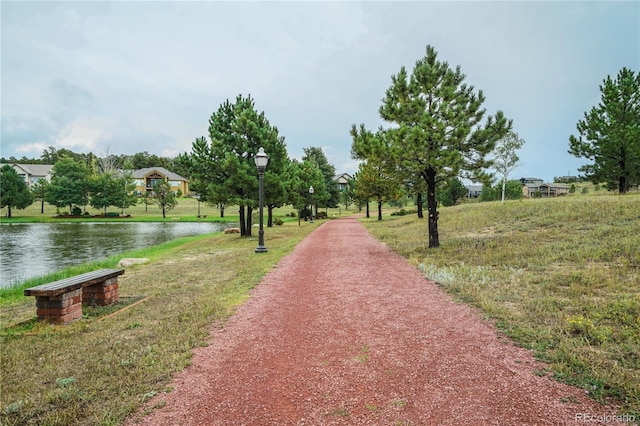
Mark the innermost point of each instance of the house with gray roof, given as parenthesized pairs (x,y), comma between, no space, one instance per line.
(32,173)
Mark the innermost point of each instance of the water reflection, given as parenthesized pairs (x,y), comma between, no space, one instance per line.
(33,249)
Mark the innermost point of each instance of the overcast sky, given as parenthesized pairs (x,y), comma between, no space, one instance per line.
(127,77)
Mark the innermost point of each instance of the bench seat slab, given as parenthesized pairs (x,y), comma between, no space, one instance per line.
(72,283)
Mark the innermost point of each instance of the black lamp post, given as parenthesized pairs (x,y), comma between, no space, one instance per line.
(311,191)
(261,160)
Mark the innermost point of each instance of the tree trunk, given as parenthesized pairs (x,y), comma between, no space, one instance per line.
(368,209)
(270,216)
(379,209)
(42,206)
(419,203)
(504,186)
(432,207)
(243,230)
(622,185)
(9,211)
(622,181)
(249,218)
(221,210)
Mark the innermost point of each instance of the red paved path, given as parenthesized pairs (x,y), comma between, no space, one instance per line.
(346,332)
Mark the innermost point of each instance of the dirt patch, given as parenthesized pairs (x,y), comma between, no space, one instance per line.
(346,332)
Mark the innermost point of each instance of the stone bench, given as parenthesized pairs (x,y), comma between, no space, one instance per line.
(61,301)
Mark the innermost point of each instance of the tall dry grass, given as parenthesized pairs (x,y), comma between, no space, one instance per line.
(560,276)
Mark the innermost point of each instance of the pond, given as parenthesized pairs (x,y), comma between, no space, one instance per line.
(29,250)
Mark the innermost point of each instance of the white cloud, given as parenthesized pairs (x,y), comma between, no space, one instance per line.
(30,147)
(83,134)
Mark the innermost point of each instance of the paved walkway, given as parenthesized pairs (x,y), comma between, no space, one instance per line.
(344,331)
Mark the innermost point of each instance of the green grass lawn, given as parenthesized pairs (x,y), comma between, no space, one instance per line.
(560,276)
(185,210)
(98,370)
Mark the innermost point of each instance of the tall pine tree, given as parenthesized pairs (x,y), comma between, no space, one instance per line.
(610,134)
(438,130)
(226,166)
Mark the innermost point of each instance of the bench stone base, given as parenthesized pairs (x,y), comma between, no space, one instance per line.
(101,294)
(60,309)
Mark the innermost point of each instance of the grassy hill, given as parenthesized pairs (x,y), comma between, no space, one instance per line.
(560,276)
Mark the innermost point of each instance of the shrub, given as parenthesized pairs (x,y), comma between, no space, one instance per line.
(321,215)
(76,211)
(278,221)
(403,212)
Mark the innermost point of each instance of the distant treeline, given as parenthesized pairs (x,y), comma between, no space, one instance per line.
(136,161)
(567,179)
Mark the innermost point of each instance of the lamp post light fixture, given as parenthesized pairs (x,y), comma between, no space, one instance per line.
(311,191)
(261,160)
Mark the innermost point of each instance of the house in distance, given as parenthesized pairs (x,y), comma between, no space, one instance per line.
(531,186)
(147,177)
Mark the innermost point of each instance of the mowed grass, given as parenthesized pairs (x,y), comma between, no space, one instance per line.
(186,210)
(100,369)
(559,276)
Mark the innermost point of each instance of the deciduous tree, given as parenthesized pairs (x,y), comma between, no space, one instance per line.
(69,184)
(506,160)
(14,193)
(164,197)
(39,190)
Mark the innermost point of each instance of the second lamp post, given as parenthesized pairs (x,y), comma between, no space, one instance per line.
(311,192)
(261,160)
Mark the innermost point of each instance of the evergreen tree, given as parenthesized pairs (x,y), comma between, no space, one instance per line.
(298,178)
(14,192)
(438,129)
(377,175)
(226,165)
(317,156)
(452,192)
(609,134)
